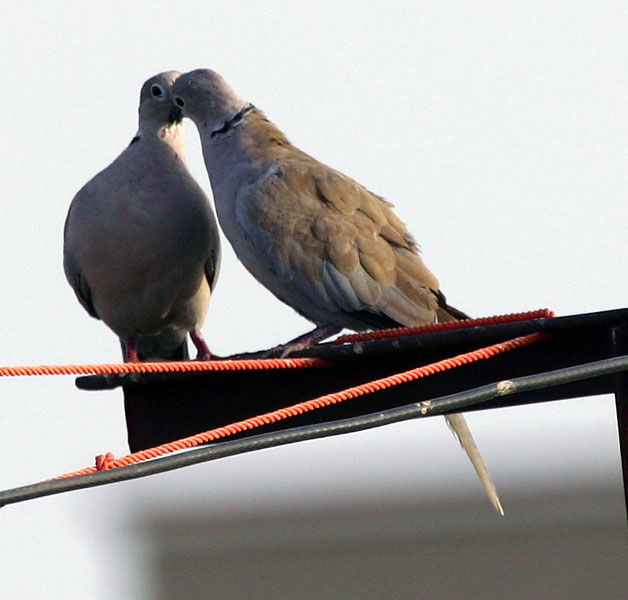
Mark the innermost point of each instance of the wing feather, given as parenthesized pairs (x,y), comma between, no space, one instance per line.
(335,244)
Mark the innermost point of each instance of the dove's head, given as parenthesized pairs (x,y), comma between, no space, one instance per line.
(156,105)
(207,99)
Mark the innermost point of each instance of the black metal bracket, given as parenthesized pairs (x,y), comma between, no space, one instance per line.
(162,408)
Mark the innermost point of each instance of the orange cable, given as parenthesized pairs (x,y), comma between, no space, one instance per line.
(259,364)
(108,461)
(166,367)
(444,326)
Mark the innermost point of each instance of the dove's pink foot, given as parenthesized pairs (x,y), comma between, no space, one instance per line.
(130,350)
(202,349)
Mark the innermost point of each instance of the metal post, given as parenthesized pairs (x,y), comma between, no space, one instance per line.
(620,347)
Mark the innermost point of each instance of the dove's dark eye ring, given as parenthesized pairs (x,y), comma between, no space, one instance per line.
(180,102)
(156,90)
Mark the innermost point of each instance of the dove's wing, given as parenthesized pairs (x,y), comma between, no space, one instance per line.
(336,245)
(72,269)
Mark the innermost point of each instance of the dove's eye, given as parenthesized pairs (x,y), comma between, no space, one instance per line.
(180,102)
(156,90)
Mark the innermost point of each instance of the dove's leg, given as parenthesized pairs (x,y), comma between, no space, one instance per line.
(130,350)
(299,343)
(304,341)
(203,352)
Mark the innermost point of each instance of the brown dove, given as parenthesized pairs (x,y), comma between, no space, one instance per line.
(318,240)
(141,244)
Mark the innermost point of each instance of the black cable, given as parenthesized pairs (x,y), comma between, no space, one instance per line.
(453,402)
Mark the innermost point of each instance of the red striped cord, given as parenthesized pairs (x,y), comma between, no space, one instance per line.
(381,334)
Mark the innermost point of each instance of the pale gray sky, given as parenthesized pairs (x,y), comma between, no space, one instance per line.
(497,129)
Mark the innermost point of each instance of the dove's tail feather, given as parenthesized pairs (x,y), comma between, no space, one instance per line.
(446,312)
(450,313)
(458,425)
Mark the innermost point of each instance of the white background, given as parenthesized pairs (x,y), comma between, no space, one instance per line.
(498,129)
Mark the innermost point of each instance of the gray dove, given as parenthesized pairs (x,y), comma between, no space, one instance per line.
(141,244)
(318,240)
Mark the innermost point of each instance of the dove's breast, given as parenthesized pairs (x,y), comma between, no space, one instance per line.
(141,247)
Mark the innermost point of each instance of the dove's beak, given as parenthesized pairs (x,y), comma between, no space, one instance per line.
(175,116)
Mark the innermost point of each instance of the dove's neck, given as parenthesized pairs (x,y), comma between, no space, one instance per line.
(243,152)
(167,138)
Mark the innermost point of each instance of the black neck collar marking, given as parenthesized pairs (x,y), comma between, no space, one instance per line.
(233,121)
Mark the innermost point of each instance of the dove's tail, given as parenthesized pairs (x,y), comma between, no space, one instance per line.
(445,312)
(458,425)
(457,422)
(449,313)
